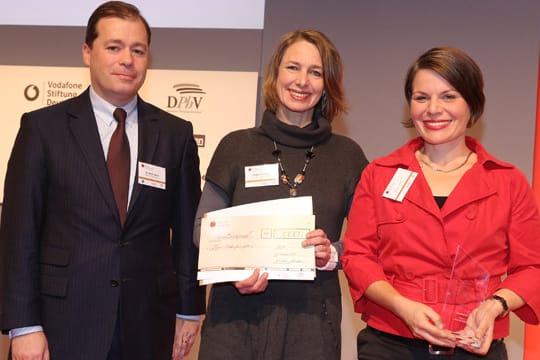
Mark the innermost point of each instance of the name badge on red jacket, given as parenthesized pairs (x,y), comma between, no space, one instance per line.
(400,184)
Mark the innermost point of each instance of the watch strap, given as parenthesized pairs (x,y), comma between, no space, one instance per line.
(504,304)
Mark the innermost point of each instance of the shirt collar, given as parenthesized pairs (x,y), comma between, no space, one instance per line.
(103,110)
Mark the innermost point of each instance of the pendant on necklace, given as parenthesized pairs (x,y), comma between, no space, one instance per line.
(299,178)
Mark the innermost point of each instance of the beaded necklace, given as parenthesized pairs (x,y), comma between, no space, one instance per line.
(299,178)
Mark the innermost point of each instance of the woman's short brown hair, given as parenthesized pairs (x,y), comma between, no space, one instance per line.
(456,67)
(333,102)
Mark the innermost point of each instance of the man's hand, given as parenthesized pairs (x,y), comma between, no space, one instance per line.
(32,346)
(184,337)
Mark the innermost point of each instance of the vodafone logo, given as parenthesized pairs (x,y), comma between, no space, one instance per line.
(31,92)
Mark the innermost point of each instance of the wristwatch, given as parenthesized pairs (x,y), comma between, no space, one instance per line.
(504,304)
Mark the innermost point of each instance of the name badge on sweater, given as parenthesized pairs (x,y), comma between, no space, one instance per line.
(400,184)
(151,175)
(261,175)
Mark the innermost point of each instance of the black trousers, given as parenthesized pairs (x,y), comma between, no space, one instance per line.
(373,344)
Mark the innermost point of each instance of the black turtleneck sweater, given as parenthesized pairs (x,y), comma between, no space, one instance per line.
(330,178)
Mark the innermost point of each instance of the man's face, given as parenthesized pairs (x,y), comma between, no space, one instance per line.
(118,59)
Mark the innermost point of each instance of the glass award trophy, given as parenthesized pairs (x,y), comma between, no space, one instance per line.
(467,289)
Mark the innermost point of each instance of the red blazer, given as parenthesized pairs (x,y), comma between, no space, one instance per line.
(491,216)
(67,264)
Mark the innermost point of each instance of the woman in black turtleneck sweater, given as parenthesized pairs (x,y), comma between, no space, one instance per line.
(261,319)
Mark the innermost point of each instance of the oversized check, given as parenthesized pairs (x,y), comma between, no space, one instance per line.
(231,247)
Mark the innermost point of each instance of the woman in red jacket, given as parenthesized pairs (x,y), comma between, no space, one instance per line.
(443,238)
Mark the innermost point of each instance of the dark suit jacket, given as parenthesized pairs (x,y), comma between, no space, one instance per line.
(67,264)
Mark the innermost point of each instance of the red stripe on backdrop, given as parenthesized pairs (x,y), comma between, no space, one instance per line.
(532,333)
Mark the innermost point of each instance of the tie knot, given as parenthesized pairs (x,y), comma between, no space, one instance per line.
(119,115)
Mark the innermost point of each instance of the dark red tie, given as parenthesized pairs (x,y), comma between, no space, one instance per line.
(118,163)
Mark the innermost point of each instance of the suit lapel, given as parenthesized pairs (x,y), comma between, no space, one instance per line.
(82,123)
(148,129)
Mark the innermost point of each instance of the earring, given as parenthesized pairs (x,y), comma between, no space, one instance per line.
(324,101)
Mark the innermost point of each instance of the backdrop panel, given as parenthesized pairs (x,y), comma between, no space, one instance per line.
(203,97)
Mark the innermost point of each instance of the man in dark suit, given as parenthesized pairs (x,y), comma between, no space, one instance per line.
(83,276)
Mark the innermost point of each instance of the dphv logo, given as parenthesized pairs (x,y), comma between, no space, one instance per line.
(188,98)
